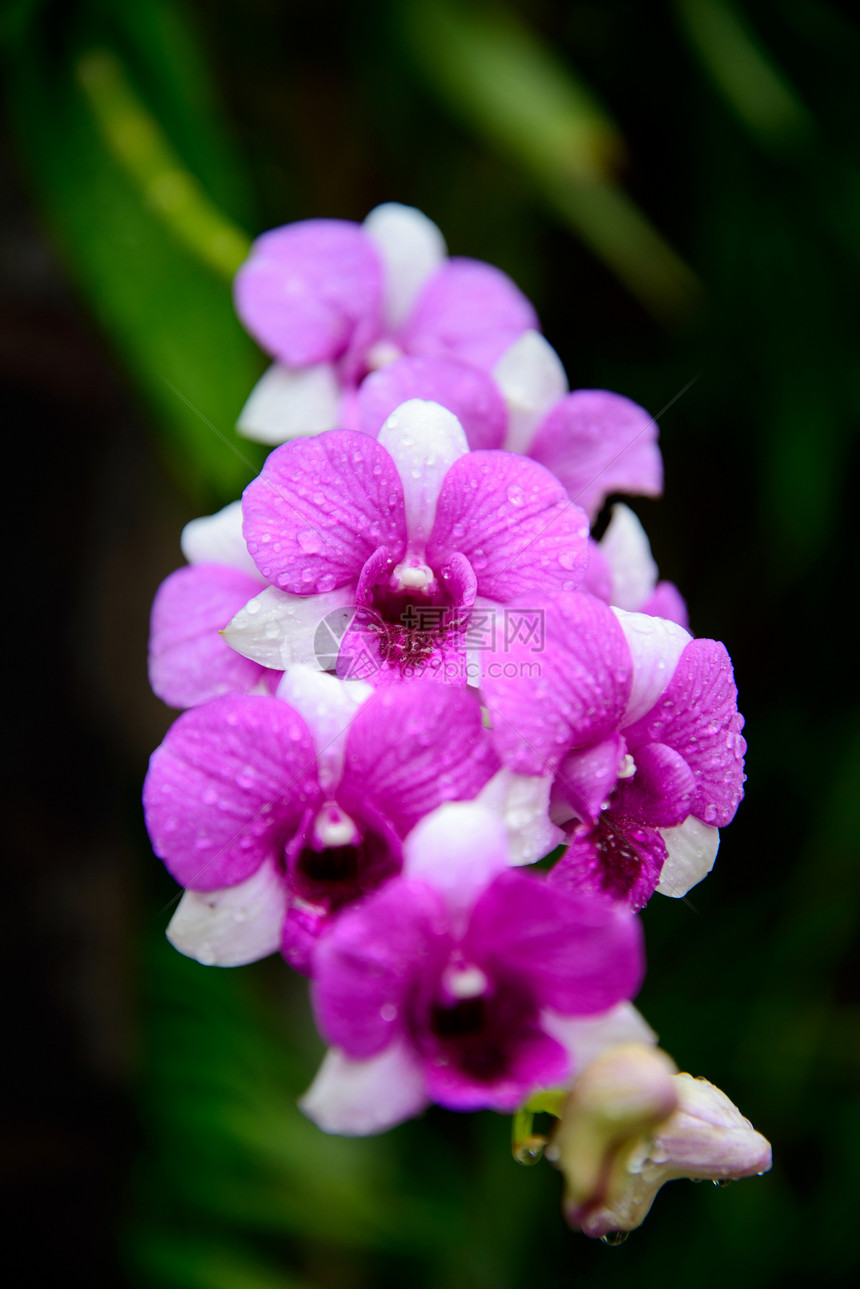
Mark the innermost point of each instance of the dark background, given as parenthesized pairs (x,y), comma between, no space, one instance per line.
(677,188)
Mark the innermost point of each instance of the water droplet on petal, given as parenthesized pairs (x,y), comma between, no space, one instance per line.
(614,1238)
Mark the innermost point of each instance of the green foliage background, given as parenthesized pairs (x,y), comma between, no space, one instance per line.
(677,187)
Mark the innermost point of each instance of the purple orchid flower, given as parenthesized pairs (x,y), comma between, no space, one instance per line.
(275,815)
(461,981)
(410,528)
(593,441)
(640,726)
(333,301)
(189,661)
(621,571)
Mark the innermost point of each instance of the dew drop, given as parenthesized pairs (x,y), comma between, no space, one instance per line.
(530,1151)
(309,541)
(613,1238)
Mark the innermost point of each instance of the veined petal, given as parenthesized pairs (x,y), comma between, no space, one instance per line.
(290,403)
(521,801)
(423,440)
(307,288)
(457,850)
(189,662)
(628,552)
(367,964)
(360,1098)
(656,646)
(564,688)
(580,956)
(697,716)
(532,380)
(691,849)
(234,925)
(513,523)
(585,779)
(662,789)
(319,510)
(225,788)
(466,391)
(467,310)
(217,539)
(279,630)
(597,443)
(412,747)
(411,247)
(616,858)
(327,706)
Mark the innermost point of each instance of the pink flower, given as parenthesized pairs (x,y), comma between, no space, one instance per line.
(640,726)
(332,301)
(275,815)
(410,528)
(457,982)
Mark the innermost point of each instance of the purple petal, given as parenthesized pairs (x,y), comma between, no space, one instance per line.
(310,290)
(467,310)
(457,850)
(367,967)
(413,746)
(501,1066)
(514,525)
(189,661)
(667,602)
(579,956)
(596,443)
(617,858)
(697,716)
(319,510)
(586,777)
(598,575)
(662,789)
(466,391)
(568,690)
(226,787)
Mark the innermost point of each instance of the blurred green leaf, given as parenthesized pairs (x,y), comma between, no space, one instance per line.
(506,85)
(165,310)
(746,74)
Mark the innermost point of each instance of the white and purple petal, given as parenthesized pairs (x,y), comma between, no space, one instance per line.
(235,925)
(227,787)
(532,380)
(465,390)
(290,403)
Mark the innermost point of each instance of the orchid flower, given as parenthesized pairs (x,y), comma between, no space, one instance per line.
(278,812)
(457,982)
(411,529)
(332,301)
(639,724)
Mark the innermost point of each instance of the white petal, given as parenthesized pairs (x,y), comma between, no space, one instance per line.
(532,380)
(628,552)
(522,803)
(425,440)
(235,925)
(411,247)
(278,630)
(656,644)
(359,1098)
(458,848)
(287,404)
(327,706)
(692,848)
(586,1038)
(217,539)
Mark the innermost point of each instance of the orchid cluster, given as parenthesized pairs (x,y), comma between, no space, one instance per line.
(410,675)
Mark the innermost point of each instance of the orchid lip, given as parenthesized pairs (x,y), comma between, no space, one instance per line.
(333,827)
(381,354)
(465,982)
(410,576)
